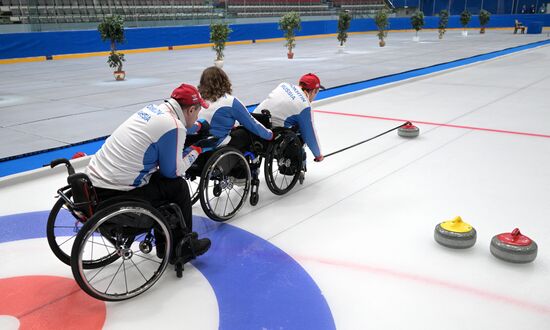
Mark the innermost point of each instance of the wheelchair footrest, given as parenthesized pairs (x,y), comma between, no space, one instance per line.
(184,251)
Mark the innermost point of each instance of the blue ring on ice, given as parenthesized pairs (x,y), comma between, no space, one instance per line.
(257,285)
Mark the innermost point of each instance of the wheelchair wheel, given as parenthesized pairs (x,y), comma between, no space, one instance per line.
(283,164)
(139,236)
(61,230)
(225,183)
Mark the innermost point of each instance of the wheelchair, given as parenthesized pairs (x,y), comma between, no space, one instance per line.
(117,248)
(223,178)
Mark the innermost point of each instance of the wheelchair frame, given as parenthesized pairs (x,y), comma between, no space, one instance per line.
(276,159)
(120,229)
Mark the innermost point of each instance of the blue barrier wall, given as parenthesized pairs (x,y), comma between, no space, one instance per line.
(431,22)
(500,7)
(18,45)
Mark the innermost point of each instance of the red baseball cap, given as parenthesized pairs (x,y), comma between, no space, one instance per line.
(311,81)
(188,95)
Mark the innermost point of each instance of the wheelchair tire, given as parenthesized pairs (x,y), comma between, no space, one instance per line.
(114,281)
(280,183)
(217,177)
(60,223)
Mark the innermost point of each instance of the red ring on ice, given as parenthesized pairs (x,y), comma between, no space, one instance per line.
(50,302)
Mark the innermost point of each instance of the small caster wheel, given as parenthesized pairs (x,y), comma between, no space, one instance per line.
(254,198)
(302,177)
(217,190)
(145,247)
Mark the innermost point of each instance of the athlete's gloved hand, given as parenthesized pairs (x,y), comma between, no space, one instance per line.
(201,126)
(319,158)
(205,145)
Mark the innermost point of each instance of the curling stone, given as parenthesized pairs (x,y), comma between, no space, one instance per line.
(455,234)
(408,130)
(514,247)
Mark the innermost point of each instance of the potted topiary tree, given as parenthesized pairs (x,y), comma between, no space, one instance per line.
(344,20)
(115,62)
(290,23)
(443,21)
(381,20)
(219,33)
(112,29)
(417,22)
(465,18)
(484,17)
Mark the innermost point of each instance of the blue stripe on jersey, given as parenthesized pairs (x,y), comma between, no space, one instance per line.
(165,151)
(246,120)
(303,120)
(224,119)
(168,153)
(292,121)
(149,161)
(222,122)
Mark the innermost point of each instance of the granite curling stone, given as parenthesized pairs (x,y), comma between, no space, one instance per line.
(455,234)
(514,247)
(408,130)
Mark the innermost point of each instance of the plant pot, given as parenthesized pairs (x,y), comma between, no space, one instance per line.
(464,33)
(218,64)
(119,75)
(290,55)
(482,31)
(382,43)
(416,38)
(341,49)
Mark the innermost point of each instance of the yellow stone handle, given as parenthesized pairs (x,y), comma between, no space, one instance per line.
(456,225)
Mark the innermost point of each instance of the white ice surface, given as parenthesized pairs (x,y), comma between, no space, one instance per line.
(362,224)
